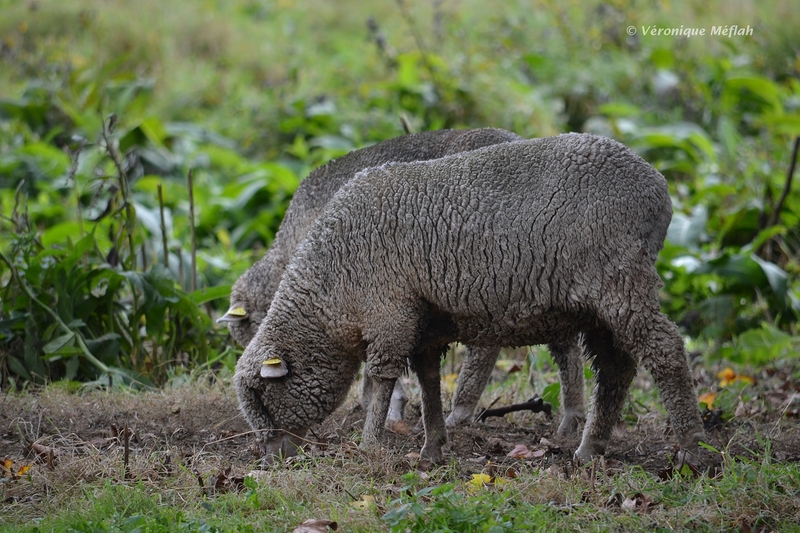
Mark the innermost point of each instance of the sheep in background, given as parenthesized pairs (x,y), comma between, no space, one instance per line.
(252,293)
(520,243)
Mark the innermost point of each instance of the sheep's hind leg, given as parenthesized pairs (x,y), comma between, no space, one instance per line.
(569,358)
(660,347)
(427,366)
(475,372)
(614,372)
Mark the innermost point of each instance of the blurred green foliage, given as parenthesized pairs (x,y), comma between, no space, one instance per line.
(100,106)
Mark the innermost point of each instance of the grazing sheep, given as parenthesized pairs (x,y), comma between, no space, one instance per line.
(520,243)
(252,293)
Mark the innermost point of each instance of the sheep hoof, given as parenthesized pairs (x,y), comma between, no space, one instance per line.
(432,454)
(589,449)
(570,423)
(459,416)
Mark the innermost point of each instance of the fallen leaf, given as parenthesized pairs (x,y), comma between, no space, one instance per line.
(479,481)
(520,451)
(412,455)
(728,376)
(708,399)
(629,504)
(45,454)
(316,526)
(640,503)
(401,428)
(550,445)
(366,501)
(496,446)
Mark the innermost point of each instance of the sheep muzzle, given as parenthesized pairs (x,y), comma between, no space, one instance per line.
(281,446)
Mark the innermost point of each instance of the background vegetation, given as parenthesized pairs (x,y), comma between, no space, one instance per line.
(148,150)
(106,108)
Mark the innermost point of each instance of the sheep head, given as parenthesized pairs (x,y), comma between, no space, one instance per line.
(243,316)
(285,387)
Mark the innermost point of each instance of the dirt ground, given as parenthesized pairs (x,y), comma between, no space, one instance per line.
(199,427)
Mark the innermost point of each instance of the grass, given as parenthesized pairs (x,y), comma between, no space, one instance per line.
(189,470)
(748,495)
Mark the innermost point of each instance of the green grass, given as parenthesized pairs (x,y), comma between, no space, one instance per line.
(747,495)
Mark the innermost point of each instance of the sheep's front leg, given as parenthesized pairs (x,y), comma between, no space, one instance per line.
(377,410)
(427,366)
(475,372)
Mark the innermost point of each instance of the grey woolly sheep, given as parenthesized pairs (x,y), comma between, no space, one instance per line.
(520,243)
(252,293)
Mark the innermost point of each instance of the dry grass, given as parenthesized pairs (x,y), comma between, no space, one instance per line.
(190,451)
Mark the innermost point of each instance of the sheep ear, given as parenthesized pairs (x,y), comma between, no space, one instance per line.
(236,313)
(273,368)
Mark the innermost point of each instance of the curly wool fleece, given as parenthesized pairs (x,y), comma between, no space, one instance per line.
(520,243)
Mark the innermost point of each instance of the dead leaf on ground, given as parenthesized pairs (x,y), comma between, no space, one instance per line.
(708,399)
(639,503)
(316,526)
(496,446)
(221,482)
(7,469)
(401,428)
(44,454)
(366,501)
(727,376)
(521,451)
(479,481)
(550,445)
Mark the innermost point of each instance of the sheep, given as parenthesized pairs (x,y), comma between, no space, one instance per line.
(519,243)
(252,293)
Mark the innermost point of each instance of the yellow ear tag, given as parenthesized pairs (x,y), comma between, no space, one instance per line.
(239,311)
(273,368)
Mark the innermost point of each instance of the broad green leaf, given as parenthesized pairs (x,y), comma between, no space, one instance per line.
(552,394)
(201,296)
(58,343)
(59,233)
(777,277)
(18,368)
(760,87)
(686,230)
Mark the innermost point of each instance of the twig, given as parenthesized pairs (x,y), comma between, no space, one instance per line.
(127,451)
(535,404)
(404,123)
(787,188)
(73,170)
(112,151)
(181,280)
(163,227)
(193,278)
